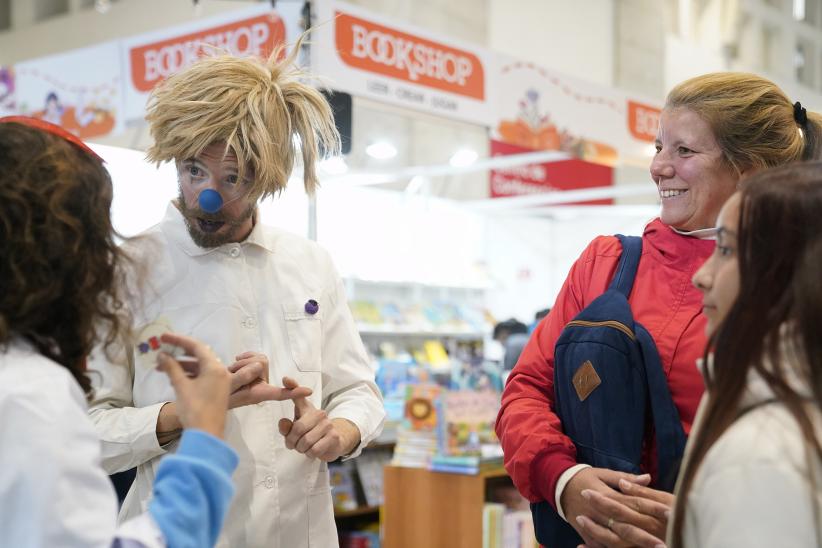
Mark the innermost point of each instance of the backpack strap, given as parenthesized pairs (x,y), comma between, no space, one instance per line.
(628,262)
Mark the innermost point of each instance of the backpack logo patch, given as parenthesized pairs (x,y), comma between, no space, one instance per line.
(586,380)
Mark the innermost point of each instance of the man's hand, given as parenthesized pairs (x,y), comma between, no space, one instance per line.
(600,480)
(248,385)
(314,434)
(249,382)
(202,389)
(637,517)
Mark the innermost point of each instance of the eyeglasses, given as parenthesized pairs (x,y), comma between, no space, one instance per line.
(212,194)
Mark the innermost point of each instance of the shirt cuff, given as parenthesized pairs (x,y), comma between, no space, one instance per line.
(562,482)
(147,439)
(368,431)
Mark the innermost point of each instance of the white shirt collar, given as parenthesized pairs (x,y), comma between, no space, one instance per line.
(174,225)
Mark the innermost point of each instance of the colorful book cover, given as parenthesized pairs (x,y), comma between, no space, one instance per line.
(435,354)
(365,312)
(343,491)
(421,406)
(467,422)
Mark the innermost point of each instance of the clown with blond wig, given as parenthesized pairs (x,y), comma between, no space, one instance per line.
(269,303)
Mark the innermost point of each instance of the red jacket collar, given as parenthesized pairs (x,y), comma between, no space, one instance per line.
(684,253)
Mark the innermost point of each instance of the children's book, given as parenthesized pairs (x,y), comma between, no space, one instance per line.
(421,406)
(467,422)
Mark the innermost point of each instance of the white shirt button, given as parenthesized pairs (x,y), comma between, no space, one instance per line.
(249,323)
(269,482)
(235,252)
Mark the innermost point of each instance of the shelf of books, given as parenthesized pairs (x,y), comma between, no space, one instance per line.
(435,476)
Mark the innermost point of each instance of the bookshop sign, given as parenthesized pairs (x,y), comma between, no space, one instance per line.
(372,57)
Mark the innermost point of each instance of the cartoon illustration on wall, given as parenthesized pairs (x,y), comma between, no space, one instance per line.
(534,129)
(84,118)
(6,89)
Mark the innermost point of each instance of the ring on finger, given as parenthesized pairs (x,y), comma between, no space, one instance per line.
(610,523)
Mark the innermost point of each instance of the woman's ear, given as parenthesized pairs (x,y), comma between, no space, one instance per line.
(746,172)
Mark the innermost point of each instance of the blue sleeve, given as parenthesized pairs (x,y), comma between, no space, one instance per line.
(192,490)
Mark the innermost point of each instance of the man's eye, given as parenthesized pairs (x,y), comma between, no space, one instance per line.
(231,179)
(684,150)
(194,171)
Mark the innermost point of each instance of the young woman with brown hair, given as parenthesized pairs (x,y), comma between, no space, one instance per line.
(59,297)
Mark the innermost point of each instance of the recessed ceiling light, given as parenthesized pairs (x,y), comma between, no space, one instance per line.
(381,150)
(463,157)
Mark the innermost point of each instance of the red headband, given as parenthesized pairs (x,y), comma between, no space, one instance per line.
(54,130)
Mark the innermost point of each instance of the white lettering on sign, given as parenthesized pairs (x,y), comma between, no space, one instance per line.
(647,121)
(413,58)
(168,59)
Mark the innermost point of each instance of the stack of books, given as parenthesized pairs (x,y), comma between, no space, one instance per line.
(464,464)
(505,529)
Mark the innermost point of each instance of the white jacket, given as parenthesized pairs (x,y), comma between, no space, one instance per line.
(239,297)
(753,487)
(52,489)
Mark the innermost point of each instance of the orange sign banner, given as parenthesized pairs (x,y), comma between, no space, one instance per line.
(152,63)
(643,121)
(379,49)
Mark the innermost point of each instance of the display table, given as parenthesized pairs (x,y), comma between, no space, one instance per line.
(433,509)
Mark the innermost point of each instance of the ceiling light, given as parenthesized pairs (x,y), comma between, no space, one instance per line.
(334,165)
(463,157)
(381,150)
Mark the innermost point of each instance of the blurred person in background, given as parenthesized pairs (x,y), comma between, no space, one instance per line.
(513,336)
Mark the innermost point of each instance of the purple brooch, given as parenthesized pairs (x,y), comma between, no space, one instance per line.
(312,307)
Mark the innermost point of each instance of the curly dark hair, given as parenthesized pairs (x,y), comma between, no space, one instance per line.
(60,270)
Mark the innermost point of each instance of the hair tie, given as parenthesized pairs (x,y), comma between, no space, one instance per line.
(800,114)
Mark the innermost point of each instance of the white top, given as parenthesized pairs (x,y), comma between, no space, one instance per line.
(239,297)
(53,491)
(753,487)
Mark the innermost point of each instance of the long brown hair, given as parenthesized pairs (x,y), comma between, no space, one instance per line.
(779,225)
(59,273)
(753,120)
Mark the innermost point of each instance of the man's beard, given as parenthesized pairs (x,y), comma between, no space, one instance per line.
(218,237)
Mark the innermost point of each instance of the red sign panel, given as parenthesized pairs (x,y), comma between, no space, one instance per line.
(546,177)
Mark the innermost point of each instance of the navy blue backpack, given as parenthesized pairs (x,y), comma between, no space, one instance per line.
(607,377)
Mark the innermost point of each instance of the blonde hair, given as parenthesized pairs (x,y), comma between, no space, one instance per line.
(752,119)
(259,108)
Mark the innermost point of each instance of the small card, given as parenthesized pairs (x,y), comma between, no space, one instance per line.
(147,343)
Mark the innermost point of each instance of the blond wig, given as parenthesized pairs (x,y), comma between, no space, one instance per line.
(752,119)
(261,109)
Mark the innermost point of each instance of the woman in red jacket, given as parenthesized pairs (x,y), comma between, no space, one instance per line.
(712,131)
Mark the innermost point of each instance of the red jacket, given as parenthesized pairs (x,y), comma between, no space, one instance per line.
(662,299)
